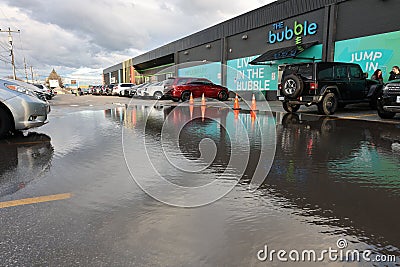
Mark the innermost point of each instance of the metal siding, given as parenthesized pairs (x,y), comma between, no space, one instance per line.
(113,68)
(275,12)
(367,21)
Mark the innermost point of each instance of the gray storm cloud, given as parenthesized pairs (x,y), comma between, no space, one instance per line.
(97,34)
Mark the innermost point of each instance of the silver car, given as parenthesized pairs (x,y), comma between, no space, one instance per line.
(20,108)
(40,93)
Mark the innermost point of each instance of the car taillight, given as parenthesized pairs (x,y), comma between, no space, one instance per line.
(313,86)
(280,86)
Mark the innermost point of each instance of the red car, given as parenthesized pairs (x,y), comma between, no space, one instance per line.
(196,86)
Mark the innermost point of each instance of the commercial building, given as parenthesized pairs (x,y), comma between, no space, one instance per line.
(244,53)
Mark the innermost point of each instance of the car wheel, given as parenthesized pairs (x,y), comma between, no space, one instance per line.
(157,95)
(328,105)
(185,96)
(222,96)
(382,113)
(5,123)
(290,107)
(292,86)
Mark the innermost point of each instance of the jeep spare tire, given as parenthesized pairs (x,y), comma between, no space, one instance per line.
(292,86)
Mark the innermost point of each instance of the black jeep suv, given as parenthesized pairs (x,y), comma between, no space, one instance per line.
(389,100)
(328,85)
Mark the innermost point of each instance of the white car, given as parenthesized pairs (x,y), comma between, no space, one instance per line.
(154,90)
(122,89)
(140,89)
(20,107)
(45,90)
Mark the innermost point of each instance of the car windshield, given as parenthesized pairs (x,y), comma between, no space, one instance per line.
(169,81)
(183,81)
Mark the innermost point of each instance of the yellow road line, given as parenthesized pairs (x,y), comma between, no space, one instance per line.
(34,200)
(360,116)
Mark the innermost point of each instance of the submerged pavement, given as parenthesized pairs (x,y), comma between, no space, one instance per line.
(76,201)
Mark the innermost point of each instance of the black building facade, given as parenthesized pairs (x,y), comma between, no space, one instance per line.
(366,32)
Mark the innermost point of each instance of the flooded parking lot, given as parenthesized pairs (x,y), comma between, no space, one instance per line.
(330,179)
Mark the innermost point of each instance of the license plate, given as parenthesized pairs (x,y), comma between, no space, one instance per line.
(281,98)
(398,99)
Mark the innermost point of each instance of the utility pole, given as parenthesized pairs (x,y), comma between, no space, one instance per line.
(10,40)
(32,73)
(26,71)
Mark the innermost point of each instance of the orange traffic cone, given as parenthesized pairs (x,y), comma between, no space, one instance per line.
(236,104)
(203,100)
(191,101)
(253,104)
(203,112)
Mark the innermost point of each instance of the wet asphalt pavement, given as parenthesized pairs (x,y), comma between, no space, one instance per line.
(330,178)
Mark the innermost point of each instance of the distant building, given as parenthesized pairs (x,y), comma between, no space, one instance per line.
(54,80)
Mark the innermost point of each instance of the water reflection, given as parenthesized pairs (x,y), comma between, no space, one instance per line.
(336,173)
(23,158)
(343,172)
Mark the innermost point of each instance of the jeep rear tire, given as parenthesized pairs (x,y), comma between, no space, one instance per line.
(382,113)
(292,86)
(328,105)
(291,108)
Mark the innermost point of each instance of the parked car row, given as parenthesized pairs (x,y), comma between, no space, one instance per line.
(176,89)
(22,106)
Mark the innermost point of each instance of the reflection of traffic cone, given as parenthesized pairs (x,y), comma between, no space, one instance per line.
(191,101)
(203,112)
(191,108)
(253,119)
(253,115)
(203,100)
(236,114)
(236,104)
(253,103)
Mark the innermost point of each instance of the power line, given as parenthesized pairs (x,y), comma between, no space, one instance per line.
(4,58)
(3,46)
(5,61)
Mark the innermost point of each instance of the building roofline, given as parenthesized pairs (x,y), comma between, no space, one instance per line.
(262,16)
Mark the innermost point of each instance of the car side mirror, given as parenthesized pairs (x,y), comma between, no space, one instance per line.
(365,75)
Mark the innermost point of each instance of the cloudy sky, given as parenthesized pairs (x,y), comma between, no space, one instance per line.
(79,38)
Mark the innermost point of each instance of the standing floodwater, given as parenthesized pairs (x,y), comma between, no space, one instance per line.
(330,179)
